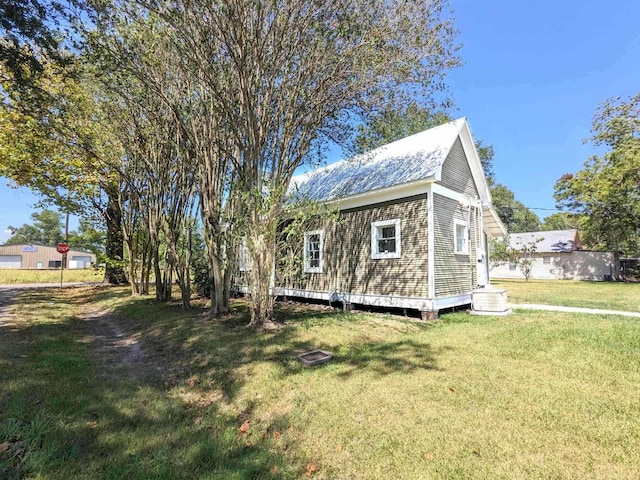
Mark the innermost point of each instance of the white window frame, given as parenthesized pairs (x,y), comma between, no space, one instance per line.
(307,259)
(465,250)
(376,228)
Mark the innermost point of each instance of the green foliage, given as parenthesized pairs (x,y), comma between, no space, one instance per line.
(514,214)
(200,264)
(47,229)
(523,255)
(91,237)
(606,192)
(499,251)
(562,221)
(28,29)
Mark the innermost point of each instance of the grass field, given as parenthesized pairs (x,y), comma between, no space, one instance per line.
(97,384)
(603,295)
(14,276)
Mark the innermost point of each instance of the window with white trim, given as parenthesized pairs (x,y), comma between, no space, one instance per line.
(460,237)
(313,251)
(385,239)
(546,260)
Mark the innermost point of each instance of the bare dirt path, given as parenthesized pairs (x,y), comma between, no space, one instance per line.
(119,353)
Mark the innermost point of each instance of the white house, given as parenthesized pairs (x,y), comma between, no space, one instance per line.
(559,256)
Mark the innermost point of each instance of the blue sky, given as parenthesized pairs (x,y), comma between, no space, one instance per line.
(533,76)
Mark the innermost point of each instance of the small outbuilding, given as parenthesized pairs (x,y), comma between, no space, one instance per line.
(559,255)
(42,257)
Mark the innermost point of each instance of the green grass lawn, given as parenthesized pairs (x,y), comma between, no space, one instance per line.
(532,395)
(603,295)
(13,276)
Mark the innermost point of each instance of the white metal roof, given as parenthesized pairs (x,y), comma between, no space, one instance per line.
(413,158)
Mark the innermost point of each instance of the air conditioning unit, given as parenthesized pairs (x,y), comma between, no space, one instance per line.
(490,301)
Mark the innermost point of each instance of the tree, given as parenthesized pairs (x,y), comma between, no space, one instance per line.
(289,76)
(523,255)
(606,192)
(47,229)
(513,213)
(91,237)
(561,221)
(499,252)
(28,29)
(58,144)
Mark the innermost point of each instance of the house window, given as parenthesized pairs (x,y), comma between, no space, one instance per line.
(385,239)
(512,265)
(313,251)
(546,260)
(461,237)
(55,263)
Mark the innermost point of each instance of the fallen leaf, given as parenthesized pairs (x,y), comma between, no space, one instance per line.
(4,446)
(247,443)
(339,448)
(452,389)
(244,428)
(276,435)
(92,424)
(192,382)
(274,470)
(311,468)
(197,421)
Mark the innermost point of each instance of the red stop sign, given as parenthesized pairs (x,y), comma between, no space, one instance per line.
(62,248)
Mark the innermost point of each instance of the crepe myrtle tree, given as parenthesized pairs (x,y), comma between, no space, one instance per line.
(290,75)
(279,80)
(523,255)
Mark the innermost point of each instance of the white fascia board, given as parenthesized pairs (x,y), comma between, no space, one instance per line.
(475,164)
(384,194)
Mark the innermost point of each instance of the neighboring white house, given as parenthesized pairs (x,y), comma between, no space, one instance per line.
(559,256)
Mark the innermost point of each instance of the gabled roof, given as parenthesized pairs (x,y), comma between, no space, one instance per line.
(411,161)
(552,241)
(417,157)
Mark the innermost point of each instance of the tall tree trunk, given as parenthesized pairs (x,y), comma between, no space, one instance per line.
(262,252)
(114,272)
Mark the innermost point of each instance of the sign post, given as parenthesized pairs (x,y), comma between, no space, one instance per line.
(62,248)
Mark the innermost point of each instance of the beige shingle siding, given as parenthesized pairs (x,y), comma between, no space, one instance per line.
(455,274)
(348,266)
(456,173)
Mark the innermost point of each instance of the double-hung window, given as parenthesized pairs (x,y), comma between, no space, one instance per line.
(460,237)
(313,251)
(385,239)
